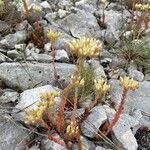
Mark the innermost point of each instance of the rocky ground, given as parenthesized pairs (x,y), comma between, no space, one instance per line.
(26,70)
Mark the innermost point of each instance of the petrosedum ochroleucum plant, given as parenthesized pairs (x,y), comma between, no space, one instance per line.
(72,130)
(77,81)
(127,84)
(86,47)
(101,88)
(1,5)
(53,37)
(142,7)
(36,8)
(47,102)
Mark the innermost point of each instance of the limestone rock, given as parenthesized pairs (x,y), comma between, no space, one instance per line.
(13,137)
(135,74)
(122,134)
(92,124)
(8,95)
(10,40)
(25,76)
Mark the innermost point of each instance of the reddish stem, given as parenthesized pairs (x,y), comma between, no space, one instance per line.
(53,61)
(73,118)
(118,113)
(56,140)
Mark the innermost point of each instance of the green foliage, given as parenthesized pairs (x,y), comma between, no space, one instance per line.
(136,51)
(85,92)
(88,74)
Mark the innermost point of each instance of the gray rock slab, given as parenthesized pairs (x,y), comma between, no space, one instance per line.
(8,96)
(86,144)
(147,77)
(12,136)
(34,148)
(92,124)
(43,58)
(122,135)
(114,21)
(61,56)
(88,6)
(80,24)
(135,74)
(13,54)
(101,148)
(4,58)
(29,75)
(51,145)
(10,40)
(4,27)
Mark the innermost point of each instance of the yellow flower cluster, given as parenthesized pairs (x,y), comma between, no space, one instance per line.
(53,36)
(32,116)
(86,47)
(72,130)
(103,1)
(36,8)
(1,3)
(47,101)
(101,86)
(77,80)
(142,7)
(129,84)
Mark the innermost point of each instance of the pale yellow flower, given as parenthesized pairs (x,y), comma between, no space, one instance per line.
(145,7)
(53,36)
(86,47)
(138,6)
(36,8)
(129,84)
(103,1)
(32,116)
(47,101)
(72,129)
(1,2)
(82,82)
(142,7)
(101,86)
(77,80)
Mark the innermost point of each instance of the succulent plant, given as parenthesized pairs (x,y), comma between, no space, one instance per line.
(86,47)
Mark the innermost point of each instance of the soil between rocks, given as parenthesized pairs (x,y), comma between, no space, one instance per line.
(143,138)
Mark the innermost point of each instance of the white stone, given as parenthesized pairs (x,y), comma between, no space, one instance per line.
(122,134)
(62,13)
(93,122)
(45,4)
(47,47)
(61,55)
(29,75)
